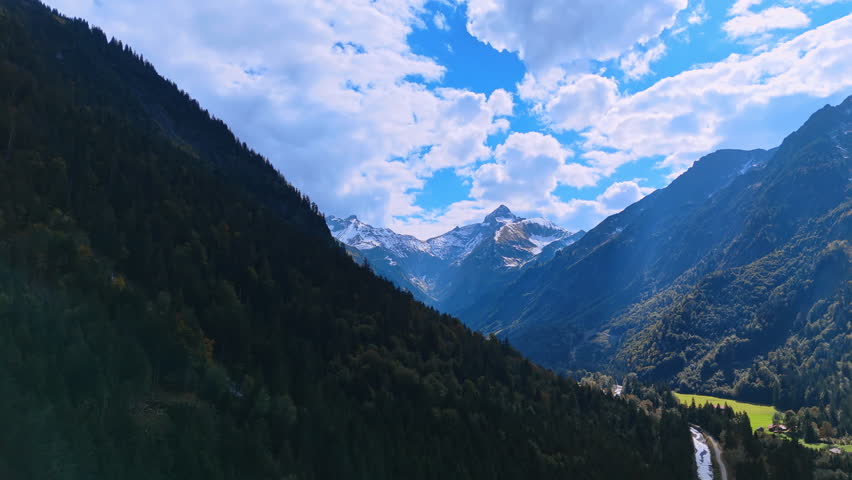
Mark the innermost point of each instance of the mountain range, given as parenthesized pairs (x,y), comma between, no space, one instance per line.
(734,280)
(454,271)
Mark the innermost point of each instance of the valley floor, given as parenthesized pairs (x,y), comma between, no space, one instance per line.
(760,415)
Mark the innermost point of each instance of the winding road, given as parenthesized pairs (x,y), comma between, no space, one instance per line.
(717,455)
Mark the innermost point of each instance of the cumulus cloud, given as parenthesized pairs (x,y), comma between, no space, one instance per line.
(585,214)
(694,112)
(501,102)
(608,162)
(619,195)
(462,123)
(569,102)
(773,18)
(547,33)
(575,214)
(821,2)
(528,168)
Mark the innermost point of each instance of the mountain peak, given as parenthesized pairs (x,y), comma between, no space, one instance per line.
(501,214)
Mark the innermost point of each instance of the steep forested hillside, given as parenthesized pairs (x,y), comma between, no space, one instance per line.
(771,323)
(734,280)
(171,308)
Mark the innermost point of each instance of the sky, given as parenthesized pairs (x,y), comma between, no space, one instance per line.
(421,115)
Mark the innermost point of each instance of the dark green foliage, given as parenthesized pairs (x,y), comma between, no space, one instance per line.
(763,456)
(748,455)
(171,308)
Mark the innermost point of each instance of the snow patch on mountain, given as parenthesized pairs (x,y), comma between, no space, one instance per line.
(511,262)
(458,243)
(355,233)
(542,222)
(542,241)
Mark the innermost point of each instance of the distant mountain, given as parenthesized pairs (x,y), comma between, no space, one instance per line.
(735,279)
(405,260)
(454,270)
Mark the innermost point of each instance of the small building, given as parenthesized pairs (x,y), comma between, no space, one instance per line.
(778,428)
(835,451)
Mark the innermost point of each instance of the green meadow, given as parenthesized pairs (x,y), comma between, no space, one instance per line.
(825,446)
(759,415)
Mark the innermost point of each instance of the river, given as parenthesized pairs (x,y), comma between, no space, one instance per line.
(703,457)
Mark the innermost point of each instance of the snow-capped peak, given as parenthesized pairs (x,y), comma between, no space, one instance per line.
(501,215)
(530,236)
(525,237)
(355,233)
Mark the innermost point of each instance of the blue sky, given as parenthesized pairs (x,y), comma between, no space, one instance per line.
(421,115)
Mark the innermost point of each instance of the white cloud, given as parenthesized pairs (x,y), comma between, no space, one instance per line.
(820,2)
(741,102)
(575,214)
(528,168)
(742,6)
(461,124)
(619,195)
(547,33)
(608,162)
(501,102)
(745,101)
(569,102)
(636,64)
(694,112)
(440,21)
(432,224)
(773,18)
(698,15)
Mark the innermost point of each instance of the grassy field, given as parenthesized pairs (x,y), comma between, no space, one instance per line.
(759,415)
(825,446)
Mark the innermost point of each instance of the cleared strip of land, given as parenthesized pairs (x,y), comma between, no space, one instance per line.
(759,415)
